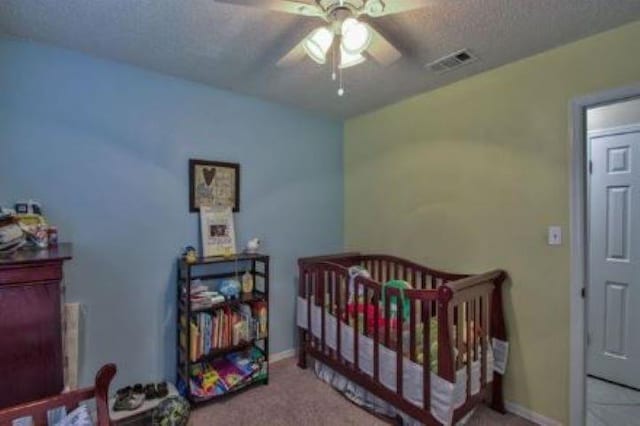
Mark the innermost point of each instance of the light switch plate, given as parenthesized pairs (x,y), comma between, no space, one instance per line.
(554,236)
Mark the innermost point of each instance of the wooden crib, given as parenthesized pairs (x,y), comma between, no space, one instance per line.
(466,311)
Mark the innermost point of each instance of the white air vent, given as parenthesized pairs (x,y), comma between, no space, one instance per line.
(452,61)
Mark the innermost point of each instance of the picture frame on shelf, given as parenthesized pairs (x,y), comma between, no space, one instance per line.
(217,231)
(213,183)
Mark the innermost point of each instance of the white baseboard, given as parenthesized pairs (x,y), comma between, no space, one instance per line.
(532,416)
(289,353)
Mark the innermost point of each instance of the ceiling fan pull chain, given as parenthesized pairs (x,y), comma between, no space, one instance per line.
(333,64)
(341,89)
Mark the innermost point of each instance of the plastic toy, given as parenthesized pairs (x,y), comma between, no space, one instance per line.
(252,246)
(247,282)
(173,411)
(356,271)
(190,255)
(393,303)
(209,380)
(230,289)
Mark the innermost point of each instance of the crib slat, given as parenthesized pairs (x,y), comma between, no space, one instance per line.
(476,329)
(355,323)
(302,333)
(458,339)
(485,336)
(309,293)
(365,311)
(467,312)
(387,311)
(399,353)
(412,330)
(426,354)
(376,337)
(330,288)
(339,317)
(434,286)
(321,282)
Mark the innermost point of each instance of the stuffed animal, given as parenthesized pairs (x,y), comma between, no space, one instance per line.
(253,245)
(189,254)
(230,289)
(397,306)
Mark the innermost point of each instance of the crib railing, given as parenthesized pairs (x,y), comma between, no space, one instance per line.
(465,308)
(384,268)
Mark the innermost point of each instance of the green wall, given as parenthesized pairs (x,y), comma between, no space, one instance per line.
(468,177)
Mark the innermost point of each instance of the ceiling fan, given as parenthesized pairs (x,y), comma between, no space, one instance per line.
(347,38)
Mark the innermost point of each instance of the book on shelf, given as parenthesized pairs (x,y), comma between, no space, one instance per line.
(225,327)
(201,297)
(228,373)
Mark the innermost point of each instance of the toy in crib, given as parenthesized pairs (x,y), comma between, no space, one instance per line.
(370,310)
(393,302)
(364,305)
(356,271)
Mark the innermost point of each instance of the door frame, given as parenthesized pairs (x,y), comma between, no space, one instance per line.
(578,228)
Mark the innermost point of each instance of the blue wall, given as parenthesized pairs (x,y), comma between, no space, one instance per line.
(104,147)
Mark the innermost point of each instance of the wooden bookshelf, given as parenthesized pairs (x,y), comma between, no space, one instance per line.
(211,271)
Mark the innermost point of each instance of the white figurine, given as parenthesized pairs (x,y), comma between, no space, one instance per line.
(253,245)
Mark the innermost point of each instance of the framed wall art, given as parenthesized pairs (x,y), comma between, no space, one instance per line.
(214,184)
(217,231)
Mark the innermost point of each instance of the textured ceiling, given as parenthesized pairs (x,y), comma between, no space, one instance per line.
(236,48)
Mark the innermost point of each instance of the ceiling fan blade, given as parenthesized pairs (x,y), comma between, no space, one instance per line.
(293,57)
(286,6)
(376,8)
(381,49)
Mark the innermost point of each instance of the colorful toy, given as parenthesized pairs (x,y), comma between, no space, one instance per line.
(262,320)
(189,254)
(356,271)
(173,411)
(247,282)
(393,303)
(208,380)
(370,309)
(230,289)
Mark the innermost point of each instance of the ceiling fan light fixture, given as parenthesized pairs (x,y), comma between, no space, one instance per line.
(350,59)
(318,43)
(374,7)
(356,36)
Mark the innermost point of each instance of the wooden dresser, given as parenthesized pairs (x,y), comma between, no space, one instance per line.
(30,324)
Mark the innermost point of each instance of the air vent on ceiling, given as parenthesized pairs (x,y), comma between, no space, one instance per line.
(452,61)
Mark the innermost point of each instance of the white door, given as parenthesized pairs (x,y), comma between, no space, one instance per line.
(614,256)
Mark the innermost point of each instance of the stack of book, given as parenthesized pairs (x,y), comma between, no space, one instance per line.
(225,327)
(228,373)
(201,297)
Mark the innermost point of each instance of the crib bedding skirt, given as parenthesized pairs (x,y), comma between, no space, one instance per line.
(445,396)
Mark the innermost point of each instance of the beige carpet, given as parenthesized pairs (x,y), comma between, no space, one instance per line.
(297,397)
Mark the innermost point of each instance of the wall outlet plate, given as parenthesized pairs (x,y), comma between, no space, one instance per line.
(554,235)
